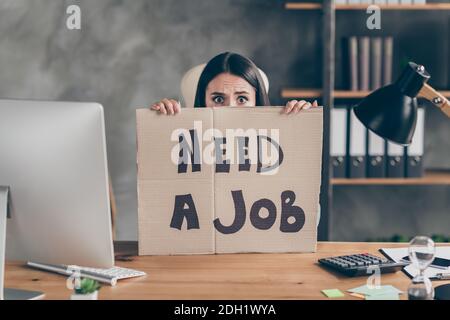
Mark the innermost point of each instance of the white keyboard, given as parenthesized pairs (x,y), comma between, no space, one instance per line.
(109,276)
(116,272)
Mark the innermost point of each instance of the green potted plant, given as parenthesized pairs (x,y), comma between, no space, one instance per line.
(87,290)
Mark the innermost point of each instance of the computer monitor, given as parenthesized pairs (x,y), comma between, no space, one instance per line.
(53,163)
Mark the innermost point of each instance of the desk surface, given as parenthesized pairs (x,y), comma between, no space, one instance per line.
(227,276)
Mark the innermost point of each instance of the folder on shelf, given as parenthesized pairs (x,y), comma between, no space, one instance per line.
(357,148)
(388,53)
(364,62)
(350,52)
(376,66)
(338,141)
(395,162)
(376,161)
(414,165)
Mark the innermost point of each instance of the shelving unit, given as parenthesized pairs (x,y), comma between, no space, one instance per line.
(291,93)
(318,6)
(302,6)
(430,178)
(328,94)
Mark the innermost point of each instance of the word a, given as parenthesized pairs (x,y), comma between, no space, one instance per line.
(374,281)
(374,20)
(73,21)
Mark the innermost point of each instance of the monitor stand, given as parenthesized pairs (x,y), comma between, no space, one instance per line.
(9,294)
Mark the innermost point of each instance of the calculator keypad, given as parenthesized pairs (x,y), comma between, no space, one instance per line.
(357,264)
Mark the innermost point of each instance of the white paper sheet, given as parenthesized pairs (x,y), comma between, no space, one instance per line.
(397,254)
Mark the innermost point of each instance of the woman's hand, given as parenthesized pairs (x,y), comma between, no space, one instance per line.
(294,106)
(167,106)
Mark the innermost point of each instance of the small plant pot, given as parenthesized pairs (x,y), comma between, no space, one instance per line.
(90,296)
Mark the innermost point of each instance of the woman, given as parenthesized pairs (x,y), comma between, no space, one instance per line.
(230,79)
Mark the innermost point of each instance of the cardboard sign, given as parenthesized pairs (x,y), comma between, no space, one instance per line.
(228,180)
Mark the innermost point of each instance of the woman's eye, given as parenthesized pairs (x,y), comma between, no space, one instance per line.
(218,99)
(242,100)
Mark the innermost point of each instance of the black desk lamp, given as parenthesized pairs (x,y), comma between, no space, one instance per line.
(391,111)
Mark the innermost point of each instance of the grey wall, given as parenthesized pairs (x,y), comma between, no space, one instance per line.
(129,54)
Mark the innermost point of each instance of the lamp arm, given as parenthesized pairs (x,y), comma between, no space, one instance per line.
(436,98)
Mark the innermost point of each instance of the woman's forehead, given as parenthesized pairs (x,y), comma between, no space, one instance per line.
(229,83)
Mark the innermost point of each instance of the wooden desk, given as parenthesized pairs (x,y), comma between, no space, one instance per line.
(228,276)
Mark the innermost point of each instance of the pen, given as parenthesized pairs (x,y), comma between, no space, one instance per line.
(443,276)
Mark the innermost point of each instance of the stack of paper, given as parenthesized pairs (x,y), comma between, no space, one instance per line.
(386,292)
(397,255)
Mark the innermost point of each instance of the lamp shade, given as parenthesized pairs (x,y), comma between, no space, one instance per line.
(391,111)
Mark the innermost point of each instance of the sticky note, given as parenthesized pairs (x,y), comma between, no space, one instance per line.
(384,296)
(333,293)
(365,290)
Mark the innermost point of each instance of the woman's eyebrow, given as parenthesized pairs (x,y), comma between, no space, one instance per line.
(216,93)
(241,92)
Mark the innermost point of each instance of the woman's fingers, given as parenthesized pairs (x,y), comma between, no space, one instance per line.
(158,106)
(162,108)
(176,106)
(307,105)
(295,106)
(172,106)
(289,106)
(300,105)
(169,106)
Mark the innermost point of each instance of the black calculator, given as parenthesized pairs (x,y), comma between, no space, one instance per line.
(362,264)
